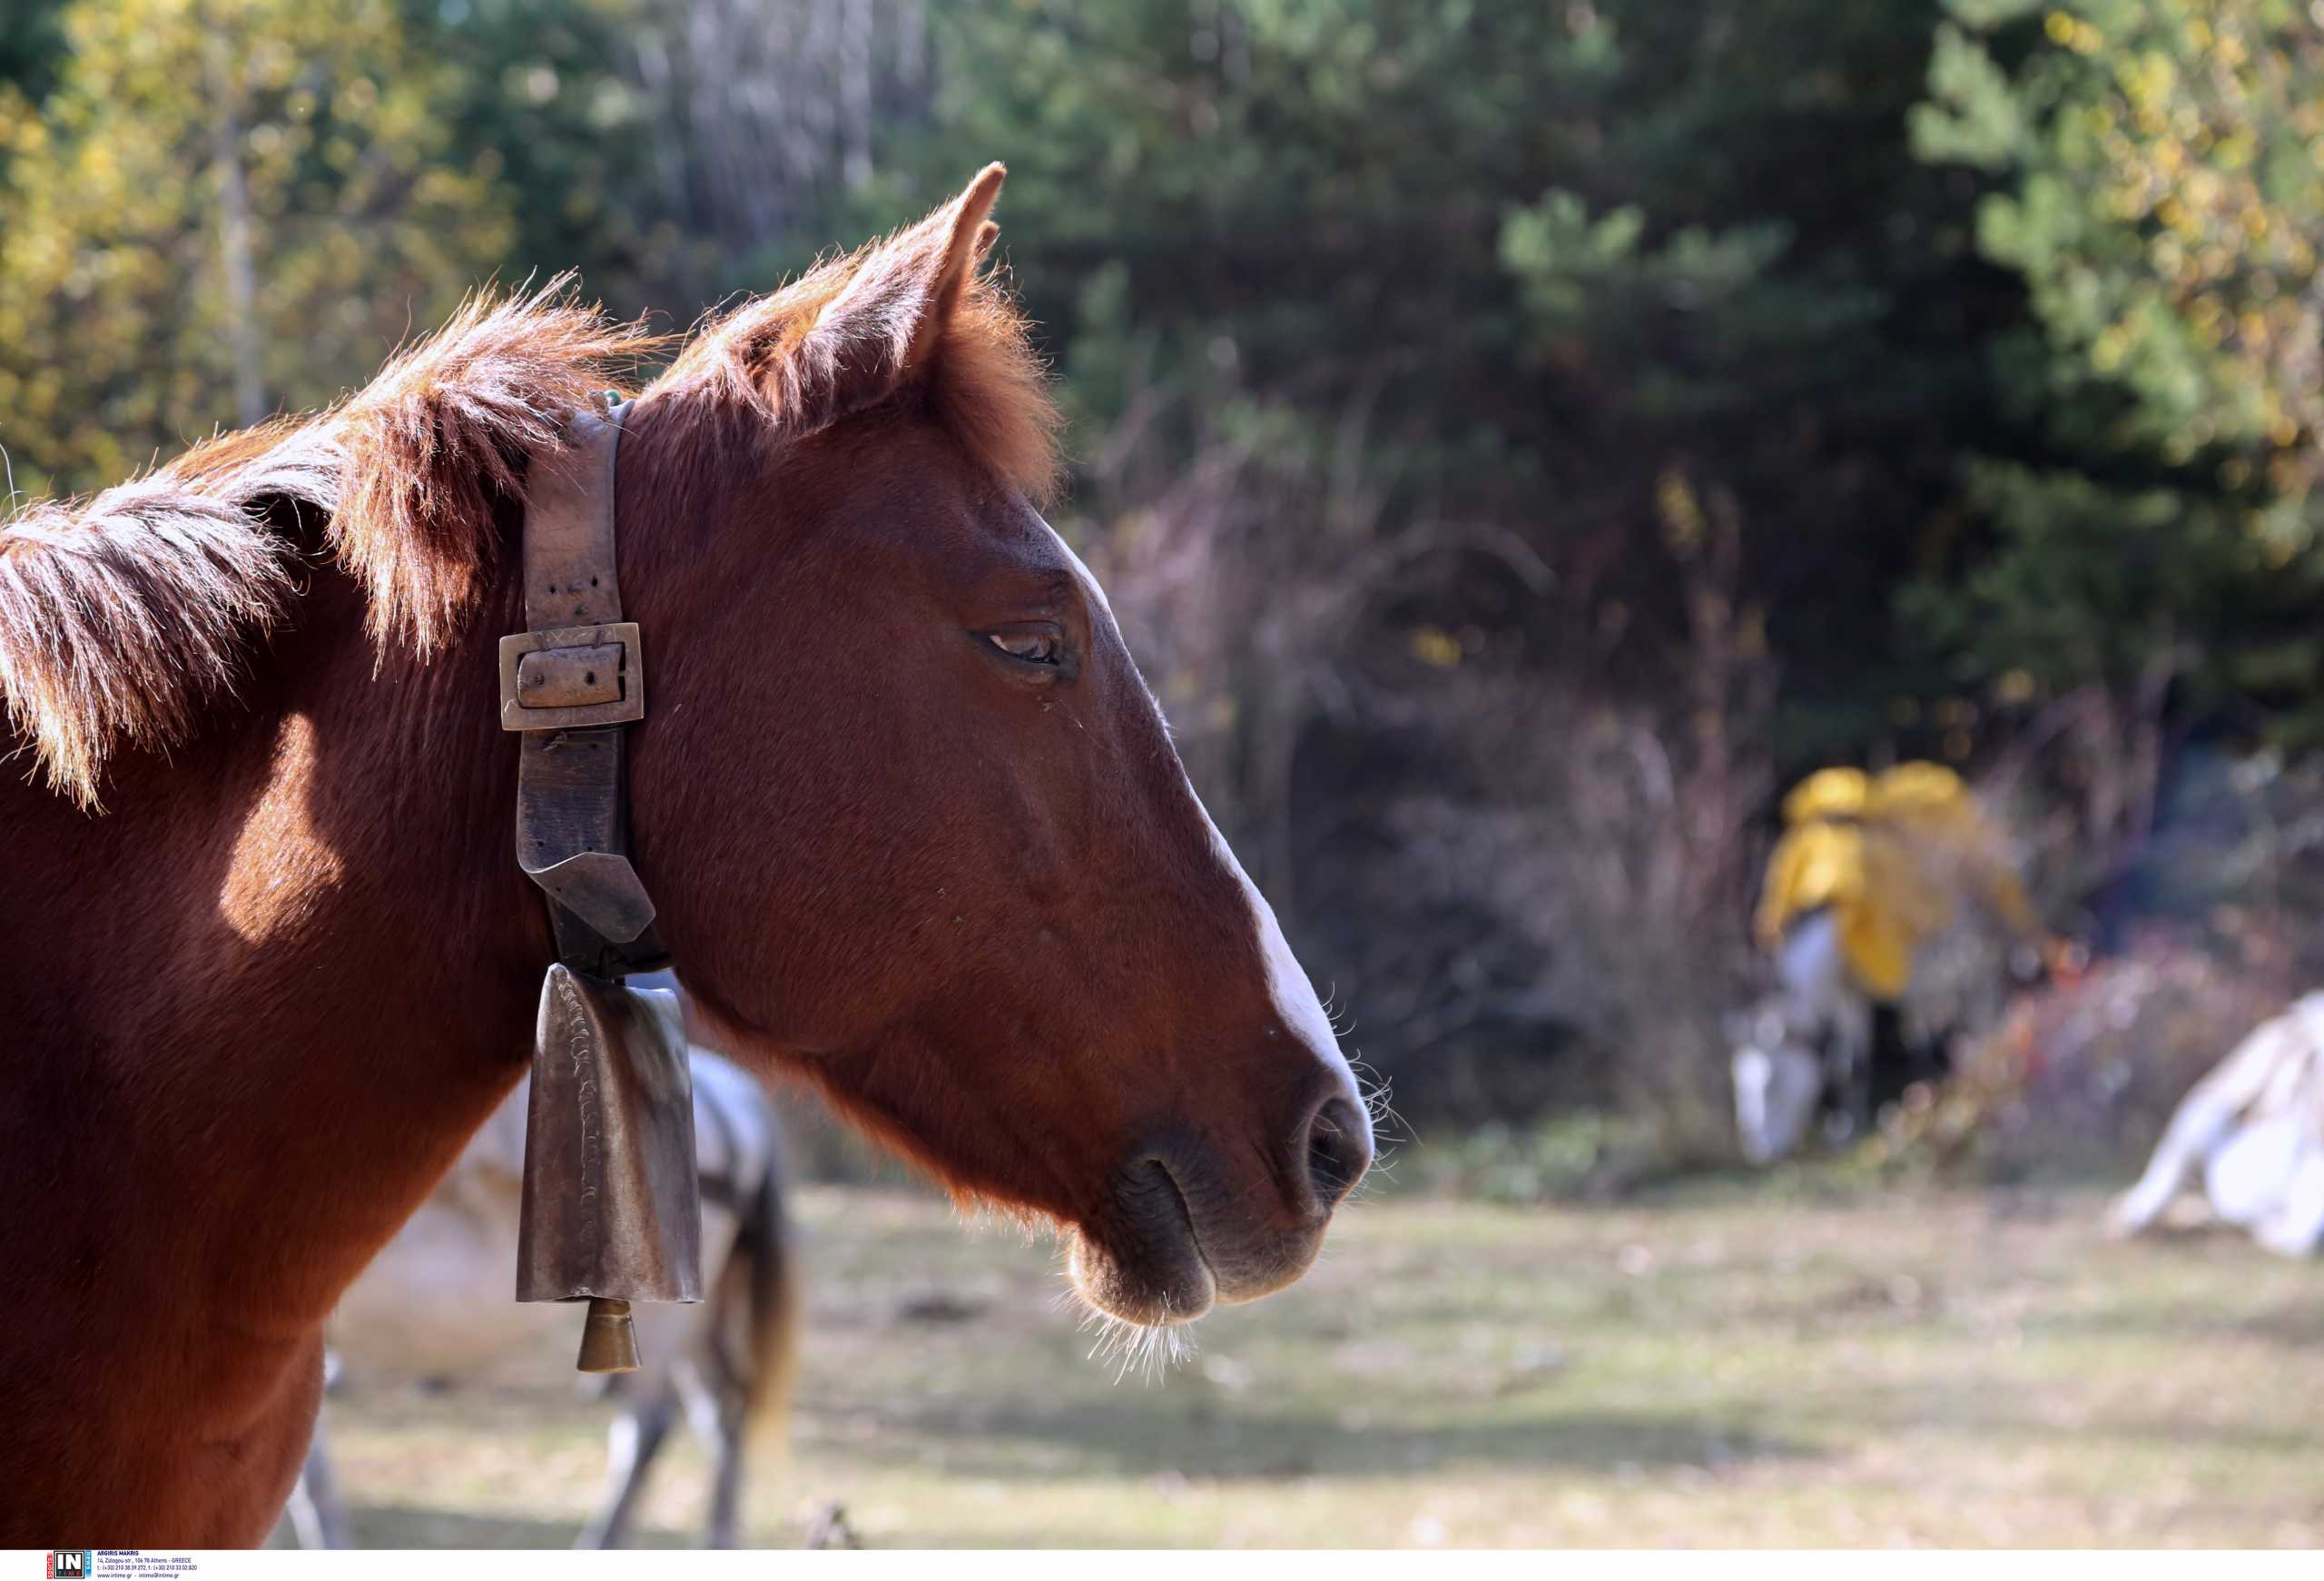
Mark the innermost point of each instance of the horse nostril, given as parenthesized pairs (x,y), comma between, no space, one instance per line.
(1339,1149)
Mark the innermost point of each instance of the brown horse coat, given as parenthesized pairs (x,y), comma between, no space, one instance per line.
(915,826)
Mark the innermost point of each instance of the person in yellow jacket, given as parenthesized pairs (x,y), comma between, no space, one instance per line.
(1890,858)
(1869,871)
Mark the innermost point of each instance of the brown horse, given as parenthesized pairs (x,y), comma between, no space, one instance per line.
(915,826)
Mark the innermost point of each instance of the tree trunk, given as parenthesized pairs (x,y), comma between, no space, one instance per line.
(234,234)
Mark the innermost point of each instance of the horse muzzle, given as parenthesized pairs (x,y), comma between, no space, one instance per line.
(1184,1229)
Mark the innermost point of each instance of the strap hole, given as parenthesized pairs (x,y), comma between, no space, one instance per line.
(589,678)
(593,581)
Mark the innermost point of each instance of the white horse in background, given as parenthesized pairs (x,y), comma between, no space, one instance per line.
(2255,1128)
(1807,1051)
(438,1303)
(1810,1040)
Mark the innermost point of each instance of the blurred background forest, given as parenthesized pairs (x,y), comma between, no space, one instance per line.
(1520,438)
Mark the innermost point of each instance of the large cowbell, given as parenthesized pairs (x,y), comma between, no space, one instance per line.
(613,1205)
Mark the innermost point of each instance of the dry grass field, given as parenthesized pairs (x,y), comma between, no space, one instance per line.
(1722,1366)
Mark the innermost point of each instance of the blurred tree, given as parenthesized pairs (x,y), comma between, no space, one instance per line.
(670,148)
(1544,259)
(2163,163)
(2156,176)
(31,43)
(1739,289)
(222,207)
(1160,152)
(1579,345)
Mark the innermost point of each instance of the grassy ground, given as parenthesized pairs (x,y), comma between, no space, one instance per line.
(1716,1367)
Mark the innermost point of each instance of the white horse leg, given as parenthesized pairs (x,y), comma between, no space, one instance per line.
(1776,1088)
(2249,1174)
(2296,1228)
(2194,1130)
(715,1410)
(737,1348)
(317,1512)
(726,1488)
(634,1438)
(2205,1119)
(1827,1017)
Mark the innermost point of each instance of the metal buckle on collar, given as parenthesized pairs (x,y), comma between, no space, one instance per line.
(572,677)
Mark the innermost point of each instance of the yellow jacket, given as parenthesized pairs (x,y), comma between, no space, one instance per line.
(1888,856)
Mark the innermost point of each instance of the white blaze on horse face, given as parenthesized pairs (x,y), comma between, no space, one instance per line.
(1287,983)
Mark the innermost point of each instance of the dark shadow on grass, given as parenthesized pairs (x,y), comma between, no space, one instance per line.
(2297,1325)
(1130,1439)
(403,1525)
(2301,1326)
(1974,1408)
(2248,1437)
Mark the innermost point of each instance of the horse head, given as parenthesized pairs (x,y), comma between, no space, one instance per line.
(914,823)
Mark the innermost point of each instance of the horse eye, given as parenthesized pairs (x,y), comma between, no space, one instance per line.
(1032,647)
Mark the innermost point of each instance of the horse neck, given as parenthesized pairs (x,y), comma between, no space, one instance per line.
(299,961)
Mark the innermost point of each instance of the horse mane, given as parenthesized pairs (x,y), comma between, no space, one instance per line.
(122,615)
(985,383)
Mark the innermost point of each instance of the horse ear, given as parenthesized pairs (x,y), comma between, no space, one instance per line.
(884,329)
(968,237)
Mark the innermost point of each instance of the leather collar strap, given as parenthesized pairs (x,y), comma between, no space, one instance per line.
(569,682)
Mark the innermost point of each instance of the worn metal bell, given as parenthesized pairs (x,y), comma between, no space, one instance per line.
(613,1205)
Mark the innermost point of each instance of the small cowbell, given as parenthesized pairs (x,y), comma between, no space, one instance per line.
(613,1205)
